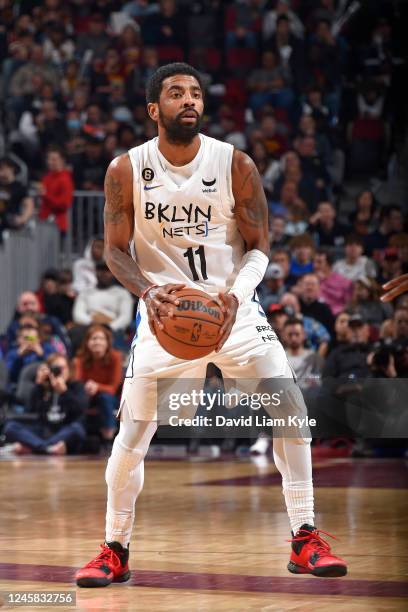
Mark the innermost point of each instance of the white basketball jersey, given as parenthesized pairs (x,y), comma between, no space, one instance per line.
(185,230)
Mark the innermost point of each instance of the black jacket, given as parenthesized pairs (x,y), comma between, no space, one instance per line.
(55,410)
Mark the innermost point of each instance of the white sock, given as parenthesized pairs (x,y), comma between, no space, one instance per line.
(299,503)
(294,461)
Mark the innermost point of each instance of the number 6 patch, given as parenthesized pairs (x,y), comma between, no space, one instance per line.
(147,174)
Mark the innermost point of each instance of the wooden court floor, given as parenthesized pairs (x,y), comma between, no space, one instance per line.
(209,535)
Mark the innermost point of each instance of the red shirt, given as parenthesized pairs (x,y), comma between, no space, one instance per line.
(59,192)
(108,376)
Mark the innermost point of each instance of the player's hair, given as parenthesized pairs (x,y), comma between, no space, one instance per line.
(155,82)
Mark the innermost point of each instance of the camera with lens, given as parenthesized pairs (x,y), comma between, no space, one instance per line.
(56,370)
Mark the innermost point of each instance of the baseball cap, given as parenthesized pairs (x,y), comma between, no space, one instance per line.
(273,271)
(356,320)
(272,308)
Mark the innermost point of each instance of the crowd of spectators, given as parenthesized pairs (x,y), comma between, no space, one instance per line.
(307,91)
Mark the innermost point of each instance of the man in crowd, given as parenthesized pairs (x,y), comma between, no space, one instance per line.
(272,287)
(335,289)
(16,206)
(311,304)
(355,264)
(107,303)
(306,363)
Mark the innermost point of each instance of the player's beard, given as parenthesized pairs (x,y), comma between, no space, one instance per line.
(177,132)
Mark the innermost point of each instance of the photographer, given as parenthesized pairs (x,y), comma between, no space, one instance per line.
(30,349)
(59,404)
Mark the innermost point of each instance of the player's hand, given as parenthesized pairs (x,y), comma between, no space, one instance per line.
(159,301)
(229,305)
(395,287)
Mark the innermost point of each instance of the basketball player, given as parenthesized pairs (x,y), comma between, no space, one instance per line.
(197,214)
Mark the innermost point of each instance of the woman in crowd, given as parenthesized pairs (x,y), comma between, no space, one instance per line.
(59,404)
(99,367)
(365,302)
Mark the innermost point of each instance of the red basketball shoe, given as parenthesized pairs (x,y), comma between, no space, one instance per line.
(312,555)
(111,565)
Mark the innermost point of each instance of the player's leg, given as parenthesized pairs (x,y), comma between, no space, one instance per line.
(124,477)
(124,473)
(253,352)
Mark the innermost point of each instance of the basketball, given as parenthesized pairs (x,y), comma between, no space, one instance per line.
(193,331)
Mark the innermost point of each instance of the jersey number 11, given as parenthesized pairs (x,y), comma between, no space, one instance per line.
(203,264)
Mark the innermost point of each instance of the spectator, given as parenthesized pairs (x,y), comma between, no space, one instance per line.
(84,269)
(342,375)
(326,230)
(391,222)
(312,166)
(59,404)
(50,126)
(400,324)
(57,190)
(400,243)
(272,287)
(302,248)
(277,236)
(95,40)
(390,266)
(164,28)
(281,257)
(335,289)
(288,48)
(22,82)
(90,165)
(60,303)
(107,304)
(348,361)
(271,18)
(341,331)
(306,363)
(269,83)
(365,302)
(355,264)
(288,201)
(57,47)
(99,367)
(16,206)
(47,288)
(364,217)
(310,304)
(51,329)
(317,335)
(30,349)
(277,317)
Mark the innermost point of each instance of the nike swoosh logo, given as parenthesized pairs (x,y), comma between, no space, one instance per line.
(147,188)
(209,183)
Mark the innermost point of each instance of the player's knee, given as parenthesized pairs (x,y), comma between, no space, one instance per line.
(122,466)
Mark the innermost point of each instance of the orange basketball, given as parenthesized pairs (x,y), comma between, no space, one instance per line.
(193,331)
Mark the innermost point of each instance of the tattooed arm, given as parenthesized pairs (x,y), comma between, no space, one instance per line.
(251,213)
(119,220)
(119,225)
(251,209)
